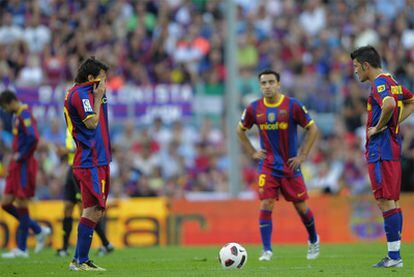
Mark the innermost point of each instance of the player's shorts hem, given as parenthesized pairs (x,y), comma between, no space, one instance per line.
(385,177)
(292,188)
(94,185)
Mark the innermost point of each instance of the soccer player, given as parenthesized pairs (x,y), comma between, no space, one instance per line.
(72,197)
(277,117)
(21,178)
(86,117)
(388,104)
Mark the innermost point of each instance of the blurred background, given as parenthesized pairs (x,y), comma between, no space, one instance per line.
(167,85)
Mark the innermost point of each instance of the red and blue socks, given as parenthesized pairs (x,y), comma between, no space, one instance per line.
(309,222)
(393,228)
(265,224)
(12,210)
(23,229)
(85,233)
(401,219)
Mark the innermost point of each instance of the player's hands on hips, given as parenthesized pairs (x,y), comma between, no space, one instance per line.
(374,130)
(259,155)
(295,162)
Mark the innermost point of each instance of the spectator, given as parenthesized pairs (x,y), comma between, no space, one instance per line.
(31,75)
(36,35)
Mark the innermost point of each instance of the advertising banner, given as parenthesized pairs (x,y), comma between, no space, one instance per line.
(157,221)
(170,102)
(132,222)
(338,220)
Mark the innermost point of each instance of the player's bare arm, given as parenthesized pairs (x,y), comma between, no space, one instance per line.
(311,133)
(408,109)
(98,92)
(387,109)
(248,147)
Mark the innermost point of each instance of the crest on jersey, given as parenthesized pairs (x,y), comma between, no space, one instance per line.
(271,117)
(27,122)
(380,88)
(283,113)
(87,105)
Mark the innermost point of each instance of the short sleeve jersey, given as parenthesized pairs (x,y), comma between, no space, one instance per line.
(25,133)
(93,146)
(277,124)
(385,145)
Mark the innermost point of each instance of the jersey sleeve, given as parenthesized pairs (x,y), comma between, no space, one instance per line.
(82,101)
(28,125)
(301,115)
(30,135)
(381,90)
(247,119)
(408,96)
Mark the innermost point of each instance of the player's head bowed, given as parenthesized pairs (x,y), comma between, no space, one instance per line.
(364,60)
(91,70)
(7,100)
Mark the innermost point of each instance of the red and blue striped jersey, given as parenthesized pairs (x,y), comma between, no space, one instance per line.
(93,146)
(277,125)
(25,133)
(385,145)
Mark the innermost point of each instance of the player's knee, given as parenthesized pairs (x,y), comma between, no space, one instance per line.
(5,204)
(386,205)
(267,204)
(93,213)
(397,204)
(99,212)
(7,200)
(300,207)
(21,203)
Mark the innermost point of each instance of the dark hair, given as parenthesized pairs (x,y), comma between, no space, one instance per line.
(90,66)
(7,96)
(367,54)
(269,71)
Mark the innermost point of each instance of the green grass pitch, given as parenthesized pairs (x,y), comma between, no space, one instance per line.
(288,260)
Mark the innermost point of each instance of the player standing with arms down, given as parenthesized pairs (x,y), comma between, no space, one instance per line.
(21,178)
(277,117)
(388,104)
(86,117)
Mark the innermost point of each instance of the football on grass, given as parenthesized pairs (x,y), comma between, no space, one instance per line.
(232,255)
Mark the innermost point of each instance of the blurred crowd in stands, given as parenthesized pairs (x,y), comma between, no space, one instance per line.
(183,41)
